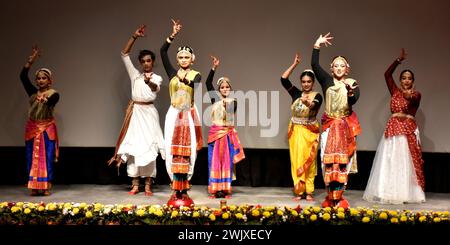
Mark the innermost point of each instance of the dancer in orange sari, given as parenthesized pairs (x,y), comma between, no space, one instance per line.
(224,147)
(41,136)
(340,125)
(303,131)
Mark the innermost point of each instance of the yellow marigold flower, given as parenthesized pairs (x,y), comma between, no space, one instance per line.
(313,217)
(383,215)
(174,214)
(422,218)
(446,213)
(51,206)
(232,207)
(269,208)
(83,205)
(341,209)
(41,208)
(280,212)
(393,213)
(31,205)
(327,209)
(295,214)
(225,216)
(15,209)
(88,214)
(340,215)
(140,212)
(212,217)
(98,206)
(326,216)
(255,212)
(394,220)
(195,214)
(151,210)
(239,216)
(403,218)
(19,204)
(306,212)
(75,211)
(120,207)
(369,212)
(266,214)
(159,213)
(354,212)
(437,220)
(316,209)
(27,211)
(365,219)
(67,205)
(3,204)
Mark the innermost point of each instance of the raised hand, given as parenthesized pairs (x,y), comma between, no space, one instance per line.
(140,32)
(323,40)
(35,53)
(402,55)
(215,62)
(297,59)
(176,27)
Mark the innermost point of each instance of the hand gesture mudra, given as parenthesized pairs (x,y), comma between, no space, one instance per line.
(402,55)
(297,59)
(35,53)
(176,27)
(215,62)
(140,32)
(324,40)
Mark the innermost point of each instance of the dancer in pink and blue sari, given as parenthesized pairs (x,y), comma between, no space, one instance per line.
(224,147)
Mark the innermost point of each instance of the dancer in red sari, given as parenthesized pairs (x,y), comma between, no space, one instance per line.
(397,171)
(340,125)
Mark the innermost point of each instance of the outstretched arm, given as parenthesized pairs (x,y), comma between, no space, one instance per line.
(209,80)
(322,76)
(287,84)
(388,74)
(170,70)
(26,82)
(138,33)
(289,70)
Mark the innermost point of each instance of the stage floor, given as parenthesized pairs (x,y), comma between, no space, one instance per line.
(266,196)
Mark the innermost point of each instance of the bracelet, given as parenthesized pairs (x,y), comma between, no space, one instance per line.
(316,47)
(134,37)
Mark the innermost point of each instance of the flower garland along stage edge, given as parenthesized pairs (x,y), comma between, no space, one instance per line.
(26,213)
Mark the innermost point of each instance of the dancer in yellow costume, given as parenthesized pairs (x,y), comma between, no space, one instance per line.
(303,131)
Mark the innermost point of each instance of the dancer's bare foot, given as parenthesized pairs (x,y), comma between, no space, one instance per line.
(309,198)
(297,198)
(34,192)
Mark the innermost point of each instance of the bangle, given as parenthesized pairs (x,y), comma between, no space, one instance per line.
(316,46)
(172,37)
(134,37)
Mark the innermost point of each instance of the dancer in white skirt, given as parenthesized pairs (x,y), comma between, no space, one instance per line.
(182,127)
(397,171)
(141,136)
